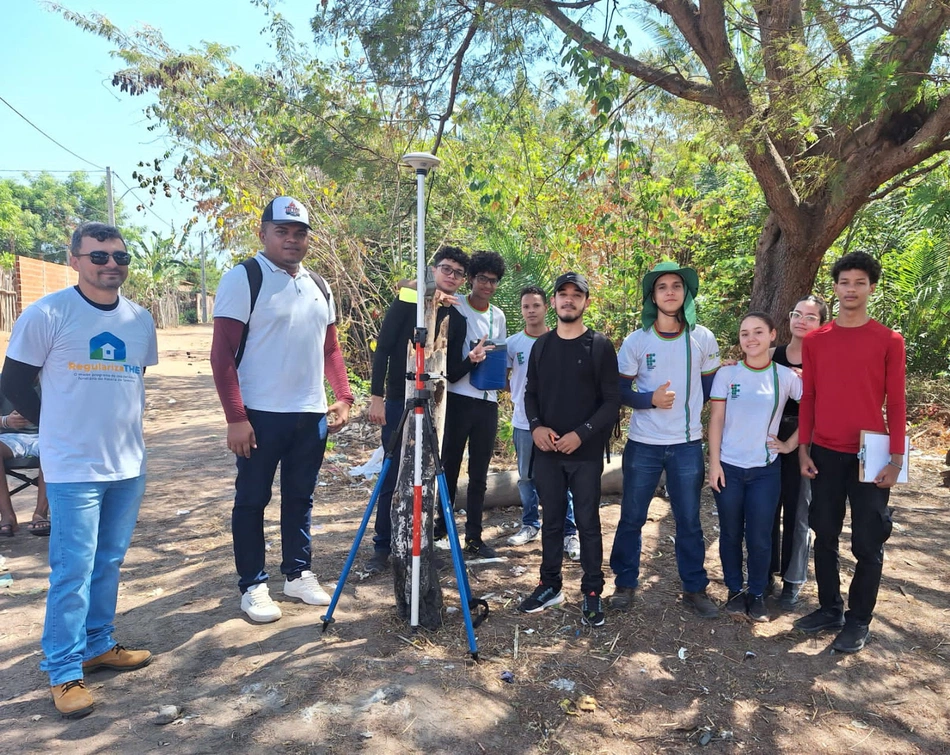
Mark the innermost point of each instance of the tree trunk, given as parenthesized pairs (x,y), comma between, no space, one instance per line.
(430,592)
(785,271)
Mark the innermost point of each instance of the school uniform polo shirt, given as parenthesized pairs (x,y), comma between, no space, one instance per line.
(754,398)
(651,359)
(282,366)
(490,323)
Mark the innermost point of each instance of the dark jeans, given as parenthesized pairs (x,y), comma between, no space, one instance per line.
(475,421)
(554,476)
(791,537)
(296,441)
(838,480)
(746,506)
(382,540)
(685,471)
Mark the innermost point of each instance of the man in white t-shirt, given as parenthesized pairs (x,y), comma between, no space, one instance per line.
(534,307)
(90,347)
(471,414)
(274,341)
(673,361)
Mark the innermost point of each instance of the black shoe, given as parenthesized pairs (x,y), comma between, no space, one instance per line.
(439,531)
(378,563)
(852,638)
(542,597)
(592,610)
(622,598)
(702,604)
(823,618)
(736,605)
(789,597)
(478,549)
(757,610)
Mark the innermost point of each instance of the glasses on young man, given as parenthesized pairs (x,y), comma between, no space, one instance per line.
(450,271)
(102,258)
(485,280)
(793,316)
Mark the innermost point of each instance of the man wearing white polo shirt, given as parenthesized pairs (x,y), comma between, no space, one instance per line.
(274,341)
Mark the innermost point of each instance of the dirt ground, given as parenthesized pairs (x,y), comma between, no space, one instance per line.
(662,679)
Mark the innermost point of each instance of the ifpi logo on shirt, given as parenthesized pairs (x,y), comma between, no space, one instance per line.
(734,389)
(651,361)
(107,347)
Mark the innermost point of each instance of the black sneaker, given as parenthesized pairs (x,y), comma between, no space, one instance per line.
(378,563)
(736,605)
(478,549)
(702,604)
(756,608)
(592,610)
(823,618)
(622,598)
(789,597)
(439,531)
(542,597)
(852,638)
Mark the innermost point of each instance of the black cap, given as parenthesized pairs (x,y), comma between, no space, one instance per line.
(576,278)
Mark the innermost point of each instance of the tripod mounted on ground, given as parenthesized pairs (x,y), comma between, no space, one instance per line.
(425,440)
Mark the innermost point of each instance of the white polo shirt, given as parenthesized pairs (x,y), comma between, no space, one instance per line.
(754,401)
(651,359)
(489,323)
(92,364)
(282,367)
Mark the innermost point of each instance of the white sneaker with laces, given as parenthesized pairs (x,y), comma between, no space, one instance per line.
(257,604)
(572,547)
(526,534)
(307,588)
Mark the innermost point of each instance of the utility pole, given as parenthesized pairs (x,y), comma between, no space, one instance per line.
(109,199)
(204,290)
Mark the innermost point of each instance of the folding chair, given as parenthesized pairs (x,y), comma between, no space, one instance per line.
(26,469)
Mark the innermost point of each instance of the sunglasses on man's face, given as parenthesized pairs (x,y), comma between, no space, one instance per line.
(100,257)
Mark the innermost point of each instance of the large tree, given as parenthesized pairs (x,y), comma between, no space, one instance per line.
(831,104)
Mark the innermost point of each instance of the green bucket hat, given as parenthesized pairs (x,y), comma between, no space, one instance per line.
(690,280)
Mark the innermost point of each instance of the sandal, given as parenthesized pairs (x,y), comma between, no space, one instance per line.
(39,527)
(6,530)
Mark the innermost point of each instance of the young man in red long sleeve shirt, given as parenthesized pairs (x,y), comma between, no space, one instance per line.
(269,357)
(851,368)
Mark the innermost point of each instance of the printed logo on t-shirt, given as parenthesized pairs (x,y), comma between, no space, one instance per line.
(651,361)
(734,389)
(107,347)
(104,348)
(520,357)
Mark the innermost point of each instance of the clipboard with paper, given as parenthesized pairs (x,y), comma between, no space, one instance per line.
(875,453)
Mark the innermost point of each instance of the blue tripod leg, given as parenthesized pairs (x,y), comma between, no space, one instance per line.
(394,442)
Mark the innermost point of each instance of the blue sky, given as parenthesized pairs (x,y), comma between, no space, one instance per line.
(58,77)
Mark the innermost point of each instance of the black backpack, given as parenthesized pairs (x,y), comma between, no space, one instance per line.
(255,279)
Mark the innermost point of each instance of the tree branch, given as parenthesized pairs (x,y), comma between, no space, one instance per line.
(906,179)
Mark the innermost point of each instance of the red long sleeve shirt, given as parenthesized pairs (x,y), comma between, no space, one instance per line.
(848,374)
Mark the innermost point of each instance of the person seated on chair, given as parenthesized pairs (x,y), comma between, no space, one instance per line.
(18,441)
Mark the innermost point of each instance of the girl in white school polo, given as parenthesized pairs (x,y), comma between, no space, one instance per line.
(745,411)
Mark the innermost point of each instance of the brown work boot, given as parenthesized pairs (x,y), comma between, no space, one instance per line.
(118,659)
(701,604)
(72,699)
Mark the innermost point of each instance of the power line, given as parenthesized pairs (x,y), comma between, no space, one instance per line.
(143,204)
(41,170)
(58,144)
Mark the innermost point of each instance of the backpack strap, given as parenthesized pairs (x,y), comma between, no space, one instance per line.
(255,279)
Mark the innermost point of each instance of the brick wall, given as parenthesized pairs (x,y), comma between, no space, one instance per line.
(36,278)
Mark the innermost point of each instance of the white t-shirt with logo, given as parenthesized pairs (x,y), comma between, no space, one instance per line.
(754,402)
(489,323)
(92,368)
(282,367)
(651,359)
(519,352)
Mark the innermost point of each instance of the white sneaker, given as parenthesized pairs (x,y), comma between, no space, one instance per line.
(256,603)
(307,588)
(572,547)
(526,534)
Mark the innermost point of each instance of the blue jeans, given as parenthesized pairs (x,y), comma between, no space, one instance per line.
(92,529)
(685,471)
(382,540)
(297,441)
(747,504)
(530,516)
